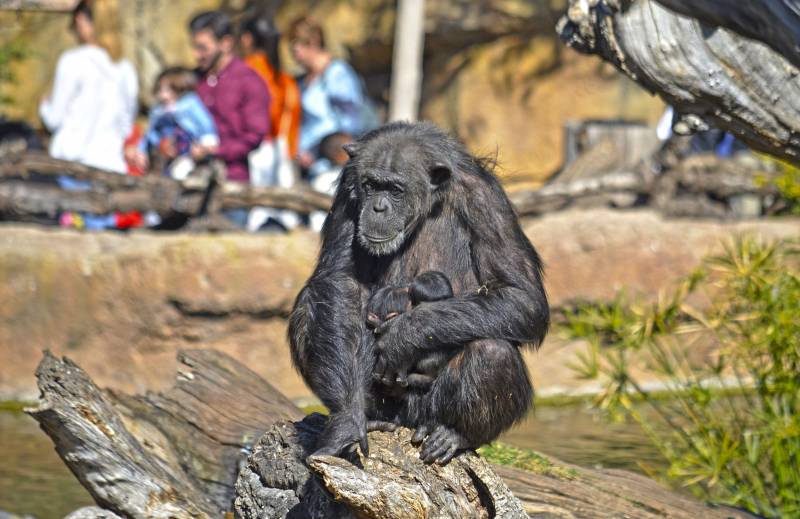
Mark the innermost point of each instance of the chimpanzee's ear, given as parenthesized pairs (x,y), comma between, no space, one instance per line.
(351,149)
(439,174)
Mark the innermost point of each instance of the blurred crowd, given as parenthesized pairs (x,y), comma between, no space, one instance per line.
(234,104)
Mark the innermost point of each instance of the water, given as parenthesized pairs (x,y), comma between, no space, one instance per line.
(580,435)
(34,481)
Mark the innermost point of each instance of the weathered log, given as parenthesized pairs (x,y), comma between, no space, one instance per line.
(114,192)
(174,454)
(392,483)
(91,512)
(178,453)
(558,195)
(699,66)
(775,22)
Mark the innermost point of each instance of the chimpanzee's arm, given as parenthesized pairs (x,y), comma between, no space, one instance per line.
(326,332)
(509,303)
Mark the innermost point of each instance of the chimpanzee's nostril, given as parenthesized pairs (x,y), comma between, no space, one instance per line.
(380,205)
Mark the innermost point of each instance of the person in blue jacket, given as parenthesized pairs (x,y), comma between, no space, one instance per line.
(332,95)
(180,131)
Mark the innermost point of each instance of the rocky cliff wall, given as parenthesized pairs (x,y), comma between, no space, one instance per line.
(121,305)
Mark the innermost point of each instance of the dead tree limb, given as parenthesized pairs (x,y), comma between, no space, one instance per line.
(177,454)
(114,192)
(174,454)
(734,82)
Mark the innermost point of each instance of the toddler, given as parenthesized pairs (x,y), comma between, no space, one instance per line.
(181,131)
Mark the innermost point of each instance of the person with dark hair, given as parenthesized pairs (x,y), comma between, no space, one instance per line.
(180,130)
(92,106)
(234,94)
(332,94)
(272,164)
(259,40)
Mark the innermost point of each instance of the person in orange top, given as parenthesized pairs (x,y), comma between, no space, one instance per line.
(258,42)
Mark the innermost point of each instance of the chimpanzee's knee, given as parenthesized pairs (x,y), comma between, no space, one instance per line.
(482,391)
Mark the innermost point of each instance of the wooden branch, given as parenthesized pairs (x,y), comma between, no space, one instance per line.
(730,81)
(296,199)
(174,454)
(775,22)
(178,453)
(114,192)
(110,463)
(557,195)
(392,483)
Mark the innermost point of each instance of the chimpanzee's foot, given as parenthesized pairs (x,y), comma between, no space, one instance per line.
(421,433)
(379,425)
(441,444)
(343,430)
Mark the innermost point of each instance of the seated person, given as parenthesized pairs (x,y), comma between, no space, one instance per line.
(181,131)
(389,302)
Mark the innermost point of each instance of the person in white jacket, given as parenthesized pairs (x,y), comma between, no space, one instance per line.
(93,103)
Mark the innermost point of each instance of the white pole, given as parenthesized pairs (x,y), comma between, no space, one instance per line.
(409,37)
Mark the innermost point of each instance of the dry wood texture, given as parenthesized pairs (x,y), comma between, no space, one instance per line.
(732,63)
(177,454)
(24,188)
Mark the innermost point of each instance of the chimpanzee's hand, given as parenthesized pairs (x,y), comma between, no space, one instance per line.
(343,429)
(398,346)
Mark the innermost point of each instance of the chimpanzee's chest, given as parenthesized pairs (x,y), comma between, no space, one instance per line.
(441,245)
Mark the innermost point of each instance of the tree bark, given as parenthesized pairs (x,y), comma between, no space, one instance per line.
(177,454)
(20,193)
(709,61)
(170,455)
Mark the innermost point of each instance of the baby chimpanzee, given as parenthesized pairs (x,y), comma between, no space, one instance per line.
(389,302)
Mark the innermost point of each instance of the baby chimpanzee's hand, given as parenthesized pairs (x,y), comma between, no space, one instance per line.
(398,348)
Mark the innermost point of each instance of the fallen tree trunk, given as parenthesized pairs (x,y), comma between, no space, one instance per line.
(700,185)
(170,455)
(177,454)
(114,192)
(709,61)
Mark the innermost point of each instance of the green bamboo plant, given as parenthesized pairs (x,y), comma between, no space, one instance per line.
(728,422)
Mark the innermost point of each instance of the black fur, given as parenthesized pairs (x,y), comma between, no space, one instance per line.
(412,200)
(388,303)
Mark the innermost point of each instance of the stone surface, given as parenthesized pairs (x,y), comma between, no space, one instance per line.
(122,305)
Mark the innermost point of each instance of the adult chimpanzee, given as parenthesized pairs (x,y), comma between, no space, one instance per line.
(411,200)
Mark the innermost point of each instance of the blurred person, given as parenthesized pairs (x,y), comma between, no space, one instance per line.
(332,95)
(92,108)
(180,128)
(259,43)
(234,94)
(272,163)
(93,103)
(323,175)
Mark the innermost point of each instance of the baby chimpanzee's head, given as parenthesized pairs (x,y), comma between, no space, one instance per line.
(389,302)
(428,287)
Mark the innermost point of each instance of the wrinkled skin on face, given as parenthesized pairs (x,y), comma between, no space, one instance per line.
(396,187)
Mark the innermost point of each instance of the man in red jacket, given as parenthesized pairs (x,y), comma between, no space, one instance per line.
(234,94)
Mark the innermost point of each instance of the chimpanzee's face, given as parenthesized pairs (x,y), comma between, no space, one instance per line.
(396,185)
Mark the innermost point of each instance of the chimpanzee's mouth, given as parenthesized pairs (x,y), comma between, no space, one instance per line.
(376,239)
